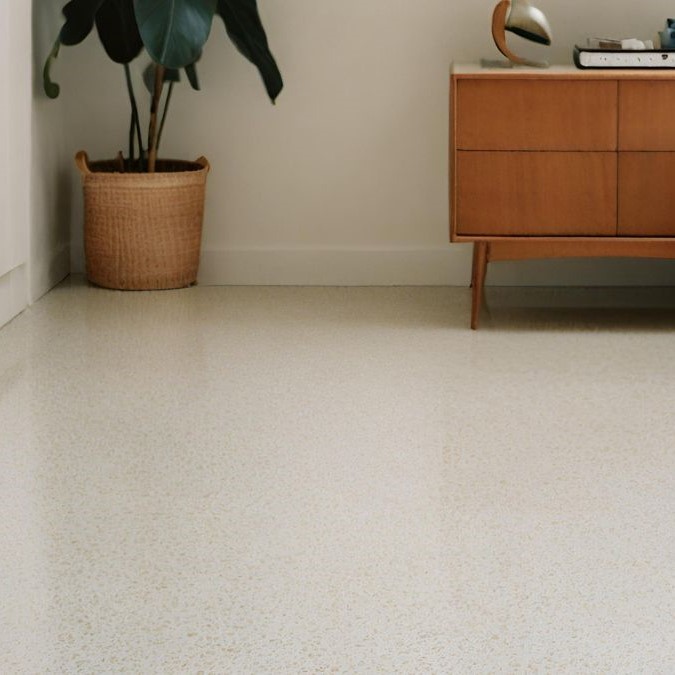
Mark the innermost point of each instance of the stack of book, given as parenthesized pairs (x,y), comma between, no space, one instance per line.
(629,53)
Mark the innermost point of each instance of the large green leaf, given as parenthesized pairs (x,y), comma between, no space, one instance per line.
(117,29)
(193,79)
(51,88)
(170,75)
(174,31)
(80,16)
(245,29)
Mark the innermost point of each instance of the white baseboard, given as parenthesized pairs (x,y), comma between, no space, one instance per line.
(13,294)
(444,266)
(335,267)
(49,271)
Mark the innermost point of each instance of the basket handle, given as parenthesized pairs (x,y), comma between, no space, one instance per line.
(82,162)
(203,162)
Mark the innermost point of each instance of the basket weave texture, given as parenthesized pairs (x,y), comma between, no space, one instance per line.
(142,231)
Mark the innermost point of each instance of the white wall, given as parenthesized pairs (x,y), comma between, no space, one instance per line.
(51,173)
(14,157)
(35,190)
(345,179)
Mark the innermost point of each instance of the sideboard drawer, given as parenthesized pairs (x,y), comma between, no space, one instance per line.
(646,115)
(535,115)
(536,193)
(647,189)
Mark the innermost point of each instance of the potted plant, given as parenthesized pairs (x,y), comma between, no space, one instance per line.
(143,215)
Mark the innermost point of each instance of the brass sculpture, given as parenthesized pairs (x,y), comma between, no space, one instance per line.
(521,18)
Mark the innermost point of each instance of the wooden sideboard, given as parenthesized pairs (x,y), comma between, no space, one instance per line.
(561,162)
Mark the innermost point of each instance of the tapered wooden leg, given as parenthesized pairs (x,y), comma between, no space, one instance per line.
(480,259)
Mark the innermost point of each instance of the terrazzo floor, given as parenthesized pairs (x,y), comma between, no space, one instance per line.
(338,480)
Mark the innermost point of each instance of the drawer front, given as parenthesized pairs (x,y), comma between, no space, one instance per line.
(646,119)
(647,194)
(535,193)
(536,115)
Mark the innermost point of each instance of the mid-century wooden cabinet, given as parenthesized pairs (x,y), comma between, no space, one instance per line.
(561,162)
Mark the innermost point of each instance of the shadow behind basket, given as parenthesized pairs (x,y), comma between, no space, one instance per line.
(142,231)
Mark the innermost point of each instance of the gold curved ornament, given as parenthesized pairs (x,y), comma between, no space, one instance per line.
(519,17)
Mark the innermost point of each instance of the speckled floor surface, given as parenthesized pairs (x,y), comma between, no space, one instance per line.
(320,480)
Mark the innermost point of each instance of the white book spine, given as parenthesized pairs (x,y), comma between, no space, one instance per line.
(609,59)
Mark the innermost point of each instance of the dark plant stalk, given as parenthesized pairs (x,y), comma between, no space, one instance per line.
(135,120)
(152,131)
(132,137)
(119,162)
(164,112)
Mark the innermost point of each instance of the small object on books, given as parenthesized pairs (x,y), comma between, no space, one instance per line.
(521,18)
(634,43)
(617,45)
(603,43)
(667,36)
(584,57)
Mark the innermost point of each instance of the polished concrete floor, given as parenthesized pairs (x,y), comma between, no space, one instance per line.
(338,480)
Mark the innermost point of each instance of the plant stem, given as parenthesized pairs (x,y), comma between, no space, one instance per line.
(164,112)
(135,120)
(152,132)
(132,145)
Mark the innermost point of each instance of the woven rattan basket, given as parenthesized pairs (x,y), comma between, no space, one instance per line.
(142,231)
